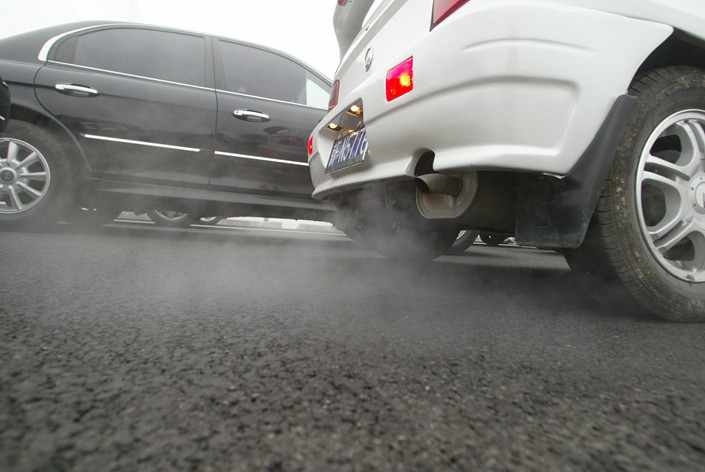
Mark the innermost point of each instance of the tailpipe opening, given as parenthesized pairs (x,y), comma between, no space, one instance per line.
(442,195)
(440,183)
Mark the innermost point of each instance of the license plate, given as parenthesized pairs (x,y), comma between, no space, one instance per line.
(348,150)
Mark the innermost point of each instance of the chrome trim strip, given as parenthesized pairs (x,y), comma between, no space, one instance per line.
(267,99)
(124,74)
(181,148)
(256,158)
(139,143)
(44,52)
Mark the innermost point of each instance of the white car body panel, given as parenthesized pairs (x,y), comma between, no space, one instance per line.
(504,85)
(685,15)
(347,23)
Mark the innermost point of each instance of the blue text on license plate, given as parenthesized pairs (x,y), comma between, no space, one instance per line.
(348,150)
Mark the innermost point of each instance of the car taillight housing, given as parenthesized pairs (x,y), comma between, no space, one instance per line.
(442,9)
(400,79)
(342,2)
(310,145)
(334,95)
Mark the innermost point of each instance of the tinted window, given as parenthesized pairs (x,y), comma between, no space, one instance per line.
(253,71)
(156,54)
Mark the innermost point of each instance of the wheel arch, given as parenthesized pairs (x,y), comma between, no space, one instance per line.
(679,49)
(547,199)
(78,160)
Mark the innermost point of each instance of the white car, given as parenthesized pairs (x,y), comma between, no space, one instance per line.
(575,125)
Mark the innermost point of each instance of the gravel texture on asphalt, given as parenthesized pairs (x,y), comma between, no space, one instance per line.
(135,350)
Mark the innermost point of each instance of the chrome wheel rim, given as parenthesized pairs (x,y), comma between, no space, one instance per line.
(24,176)
(671,194)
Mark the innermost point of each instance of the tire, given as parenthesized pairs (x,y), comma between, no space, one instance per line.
(492,239)
(396,229)
(386,219)
(401,239)
(349,221)
(464,240)
(646,240)
(172,219)
(209,220)
(36,181)
(92,217)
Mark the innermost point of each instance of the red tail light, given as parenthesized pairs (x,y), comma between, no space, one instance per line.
(442,9)
(334,93)
(400,79)
(342,2)
(310,145)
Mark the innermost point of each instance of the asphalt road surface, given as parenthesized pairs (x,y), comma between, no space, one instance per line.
(220,349)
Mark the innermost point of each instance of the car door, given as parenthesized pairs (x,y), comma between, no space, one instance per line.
(4,104)
(268,104)
(140,102)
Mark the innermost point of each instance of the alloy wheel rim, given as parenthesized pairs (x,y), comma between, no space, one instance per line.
(670,189)
(24,176)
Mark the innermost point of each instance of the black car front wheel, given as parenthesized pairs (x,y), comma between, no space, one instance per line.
(209,220)
(172,219)
(647,236)
(36,182)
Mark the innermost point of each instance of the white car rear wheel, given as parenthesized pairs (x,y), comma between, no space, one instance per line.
(647,237)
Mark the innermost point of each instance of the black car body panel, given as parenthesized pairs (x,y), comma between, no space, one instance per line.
(268,121)
(150,117)
(4,104)
(134,128)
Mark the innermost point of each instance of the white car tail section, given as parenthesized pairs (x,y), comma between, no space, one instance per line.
(347,21)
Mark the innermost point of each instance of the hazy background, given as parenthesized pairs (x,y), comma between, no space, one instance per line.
(302,28)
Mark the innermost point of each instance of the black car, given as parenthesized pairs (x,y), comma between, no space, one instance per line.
(4,104)
(122,116)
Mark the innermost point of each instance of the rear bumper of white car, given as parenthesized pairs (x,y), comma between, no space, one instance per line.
(500,85)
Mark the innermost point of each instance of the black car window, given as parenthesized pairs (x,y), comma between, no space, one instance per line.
(147,53)
(261,73)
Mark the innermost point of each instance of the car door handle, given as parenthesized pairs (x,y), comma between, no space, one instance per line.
(76,90)
(251,115)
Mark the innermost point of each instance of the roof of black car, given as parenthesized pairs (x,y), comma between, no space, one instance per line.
(25,46)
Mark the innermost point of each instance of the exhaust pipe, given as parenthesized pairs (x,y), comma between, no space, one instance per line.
(443,184)
(445,196)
